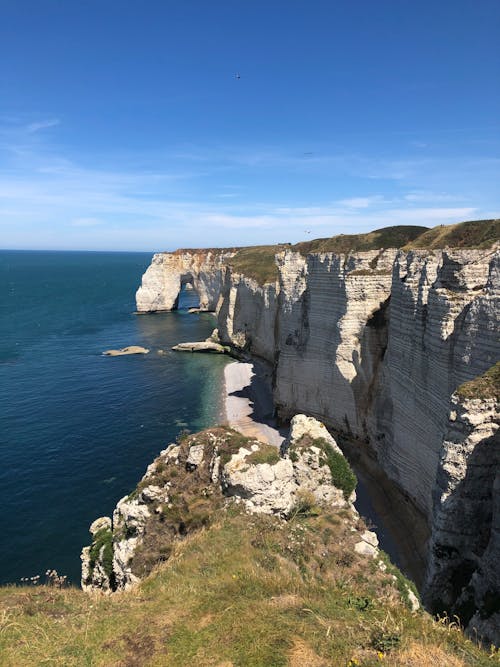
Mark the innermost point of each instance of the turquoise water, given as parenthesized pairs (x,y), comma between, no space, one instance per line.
(78,429)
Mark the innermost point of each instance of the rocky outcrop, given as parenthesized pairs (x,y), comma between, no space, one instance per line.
(190,482)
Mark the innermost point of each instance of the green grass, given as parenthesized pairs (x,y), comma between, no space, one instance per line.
(484,386)
(472,234)
(248,591)
(103,539)
(343,476)
(265,454)
(258,262)
(387,237)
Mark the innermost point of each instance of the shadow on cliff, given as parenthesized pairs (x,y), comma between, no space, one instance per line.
(260,397)
(464,578)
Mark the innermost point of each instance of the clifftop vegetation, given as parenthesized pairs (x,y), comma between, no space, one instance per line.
(483,387)
(257,262)
(473,234)
(250,591)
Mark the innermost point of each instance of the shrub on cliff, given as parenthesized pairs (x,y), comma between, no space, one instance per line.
(103,540)
(343,476)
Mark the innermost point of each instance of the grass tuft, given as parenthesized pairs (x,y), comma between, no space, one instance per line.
(103,539)
(484,386)
(265,454)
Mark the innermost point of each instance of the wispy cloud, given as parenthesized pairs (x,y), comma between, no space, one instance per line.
(86,222)
(426,196)
(47,196)
(361,202)
(42,125)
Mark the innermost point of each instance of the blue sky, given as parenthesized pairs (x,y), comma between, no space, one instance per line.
(123,126)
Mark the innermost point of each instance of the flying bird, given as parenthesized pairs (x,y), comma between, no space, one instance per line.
(237,75)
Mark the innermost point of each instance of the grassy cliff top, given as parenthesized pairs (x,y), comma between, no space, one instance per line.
(484,386)
(250,591)
(258,262)
(387,237)
(472,234)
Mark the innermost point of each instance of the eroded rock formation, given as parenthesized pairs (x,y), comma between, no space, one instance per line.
(168,272)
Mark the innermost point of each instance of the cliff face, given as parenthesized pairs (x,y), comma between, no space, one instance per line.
(331,334)
(374,344)
(463,575)
(442,331)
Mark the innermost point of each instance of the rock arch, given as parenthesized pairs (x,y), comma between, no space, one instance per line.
(169,272)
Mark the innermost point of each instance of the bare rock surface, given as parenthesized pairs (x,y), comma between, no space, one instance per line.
(463,572)
(131,349)
(200,346)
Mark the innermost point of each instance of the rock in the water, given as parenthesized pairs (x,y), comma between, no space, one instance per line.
(200,346)
(131,349)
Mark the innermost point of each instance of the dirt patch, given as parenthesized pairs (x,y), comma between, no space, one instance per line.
(285,601)
(302,654)
(417,655)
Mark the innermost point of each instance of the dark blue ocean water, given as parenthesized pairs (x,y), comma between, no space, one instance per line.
(77,429)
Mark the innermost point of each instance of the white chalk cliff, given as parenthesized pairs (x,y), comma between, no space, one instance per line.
(374,344)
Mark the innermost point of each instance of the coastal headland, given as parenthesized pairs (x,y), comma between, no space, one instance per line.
(391,340)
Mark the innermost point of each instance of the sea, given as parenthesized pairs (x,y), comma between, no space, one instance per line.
(78,429)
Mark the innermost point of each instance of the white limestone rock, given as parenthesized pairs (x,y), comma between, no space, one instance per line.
(162,282)
(412,600)
(264,488)
(200,346)
(99,524)
(94,576)
(302,425)
(276,488)
(195,456)
(466,517)
(368,545)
